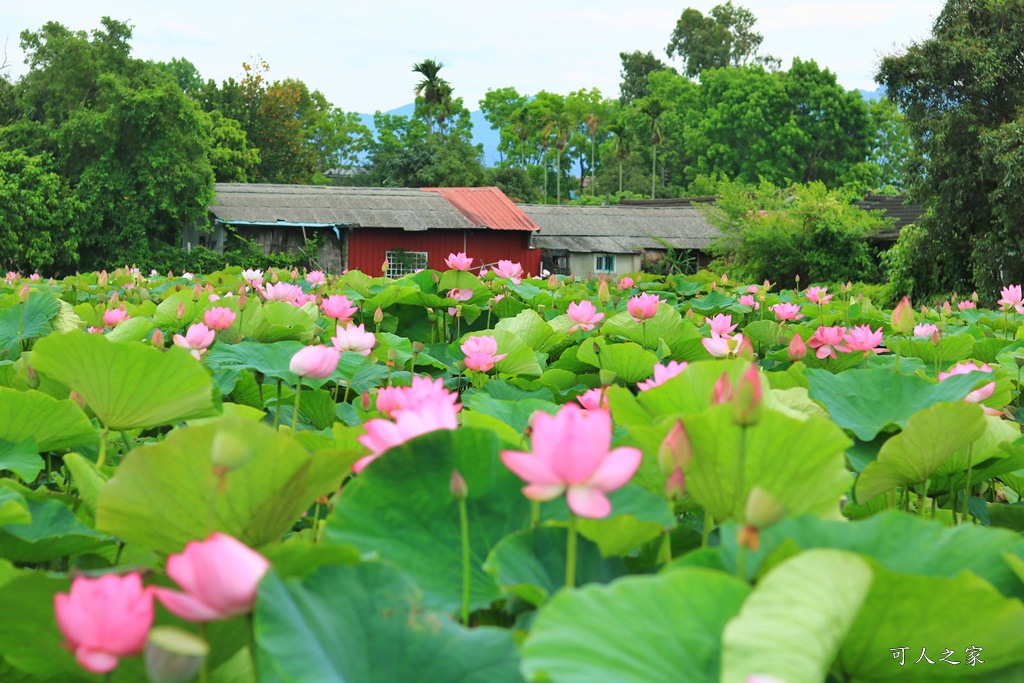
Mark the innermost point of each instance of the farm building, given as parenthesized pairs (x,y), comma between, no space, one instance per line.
(614,240)
(895,206)
(360,227)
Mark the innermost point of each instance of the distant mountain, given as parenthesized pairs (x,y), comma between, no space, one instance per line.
(483,134)
(873,94)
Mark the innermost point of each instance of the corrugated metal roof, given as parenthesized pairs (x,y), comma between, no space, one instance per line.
(619,229)
(486,207)
(894,207)
(365,207)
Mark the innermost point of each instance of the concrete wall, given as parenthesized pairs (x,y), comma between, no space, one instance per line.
(584,265)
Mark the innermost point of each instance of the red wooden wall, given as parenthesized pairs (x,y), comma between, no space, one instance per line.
(367,247)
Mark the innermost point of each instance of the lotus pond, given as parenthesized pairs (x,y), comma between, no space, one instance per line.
(482,477)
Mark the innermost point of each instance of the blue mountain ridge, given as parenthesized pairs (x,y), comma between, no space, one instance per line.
(484,135)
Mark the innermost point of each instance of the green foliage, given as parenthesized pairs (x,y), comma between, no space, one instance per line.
(636,67)
(723,38)
(779,233)
(962,90)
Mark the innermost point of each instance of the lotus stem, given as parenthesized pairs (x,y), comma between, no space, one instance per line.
(967,489)
(102,458)
(570,553)
(298,395)
(709,526)
(277,409)
(466,567)
(534,514)
(741,500)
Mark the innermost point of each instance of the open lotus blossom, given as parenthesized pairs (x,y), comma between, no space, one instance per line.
(315,362)
(571,455)
(643,306)
(459,261)
(316,277)
(282,291)
(925,330)
(722,325)
(464,294)
(95,330)
(980,394)
(219,318)
(512,271)
(354,338)
(382,434)
(1012,298)
(723,345)
(338,306)
(748,300)
(481,353)
(253,277)
(594,399)
(861,338)
(817,295)
(197,340)
(785,311)
(828,340)
(112,317)
(105,618)
(662,373)
(964,304)
(626,283)
(584,314)
(219,577)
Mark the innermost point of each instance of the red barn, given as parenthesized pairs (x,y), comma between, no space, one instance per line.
(360,227)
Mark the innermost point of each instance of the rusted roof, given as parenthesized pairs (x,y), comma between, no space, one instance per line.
(359,207)
(486,207)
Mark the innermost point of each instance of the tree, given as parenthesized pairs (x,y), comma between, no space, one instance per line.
(723,38)
(962,91)
(653,108)
(499,108)
(560,126)
(434,90)
(892,146)
(636,67)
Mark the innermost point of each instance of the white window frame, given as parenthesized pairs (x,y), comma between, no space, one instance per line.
(397,268)
(605,257)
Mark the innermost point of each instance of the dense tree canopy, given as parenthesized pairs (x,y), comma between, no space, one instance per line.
(724,37)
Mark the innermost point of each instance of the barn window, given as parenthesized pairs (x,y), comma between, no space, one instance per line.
(605,263)
(402,262)
(561,262)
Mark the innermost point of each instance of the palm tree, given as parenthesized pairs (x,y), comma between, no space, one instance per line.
(521,122)
(433,89)
(592,122)
(561,124)
(653,108)
(620,146)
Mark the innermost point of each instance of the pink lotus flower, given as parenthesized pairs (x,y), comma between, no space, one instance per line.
(481,353)
(512,271)
(219,577)
(464,294)
(423,391)
(113,317)
(817,295)
(980,394)
(571,455)
(965,304)
(354,338)
(748,300)
(382,435)
(301,299)
(662,373)
(594,399)
(219,318)
(626,283)
(721,325)
(315,362)
(1012,298)
(861,338)
(753,289)
(828,340)
(104,619)
(584,314)
(458,261)
(785,311)
(643,306)
(723,345)
(925,330)
(797,348)
(282,291)
(197,340)
(316,277)
(95,330)
(338,306)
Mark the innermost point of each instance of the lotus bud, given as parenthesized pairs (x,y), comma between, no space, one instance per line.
(197,291)
(384,267)
(924,310)
(603,295)
(31,377)
(935,338)
(378,315)
(435,276)
(228,452)
(947,310)
(572,278)
(903,317)
(690,315)
(365,400)
(675,450)
(553,282)
(170,274)
(295,274)
(763,510)
(113,299)
(102,279)
(180,312)
(848,287)
(746,349)
(675,485)
(157,340)
(23,294)
(767,285)
(723,390)
(713,286)
(746,403)
(797,348)
(173,655)
(274,277)
(725,279)
(597,349)
(607,377)
(974,297)
(457,485)
(541,308)
(797,278)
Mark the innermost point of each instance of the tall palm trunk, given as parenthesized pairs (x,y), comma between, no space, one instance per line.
(620,175)
(558,177)
(593,175)
(654,169)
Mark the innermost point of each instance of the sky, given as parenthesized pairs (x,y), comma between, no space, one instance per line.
(360,54)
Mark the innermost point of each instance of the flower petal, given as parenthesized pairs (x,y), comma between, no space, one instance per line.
(588,502)
(533,469)
(542,493)
(95,661)
(186,607)
(616,469)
